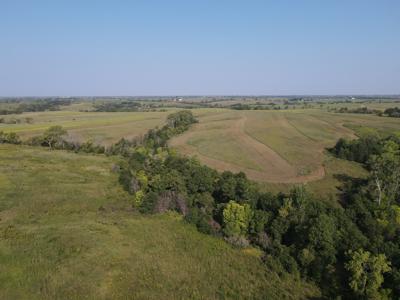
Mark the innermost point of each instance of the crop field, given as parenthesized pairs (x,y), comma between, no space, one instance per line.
(67,231)
(274,146)
(101,127)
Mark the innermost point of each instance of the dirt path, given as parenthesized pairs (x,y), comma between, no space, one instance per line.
(274,168)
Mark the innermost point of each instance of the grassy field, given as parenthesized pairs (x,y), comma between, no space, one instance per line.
(280,148)
(361,123)
(67,231)
(101,127)
(270,146)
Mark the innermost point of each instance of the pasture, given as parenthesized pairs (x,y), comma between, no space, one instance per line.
(67,231)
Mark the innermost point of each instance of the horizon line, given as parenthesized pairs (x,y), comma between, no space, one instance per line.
(206,95)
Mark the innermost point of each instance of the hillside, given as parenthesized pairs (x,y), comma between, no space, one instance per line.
(67,231)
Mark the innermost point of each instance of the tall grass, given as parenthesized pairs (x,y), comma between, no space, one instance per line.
(67,231)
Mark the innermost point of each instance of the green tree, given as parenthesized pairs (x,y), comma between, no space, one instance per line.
(143,179)
(226,187)
(385,172)
(236,219)
(181,119)
(322,237)
(366,273)
(53,135)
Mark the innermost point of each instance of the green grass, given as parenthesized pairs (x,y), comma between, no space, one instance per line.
(67,231)
(216,140)
(209,144)
(296,135)
(328,188)
(274,130)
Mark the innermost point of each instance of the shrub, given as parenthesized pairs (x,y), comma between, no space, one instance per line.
(238,241)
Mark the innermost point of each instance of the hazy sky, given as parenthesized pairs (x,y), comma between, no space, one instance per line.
(199,47)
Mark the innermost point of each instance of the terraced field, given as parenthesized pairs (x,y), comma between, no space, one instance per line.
(272,146)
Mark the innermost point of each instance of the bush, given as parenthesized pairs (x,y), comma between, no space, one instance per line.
(9,138)
(238,241)
(149,202)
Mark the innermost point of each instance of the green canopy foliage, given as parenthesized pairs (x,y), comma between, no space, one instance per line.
(366,273)
(236,219)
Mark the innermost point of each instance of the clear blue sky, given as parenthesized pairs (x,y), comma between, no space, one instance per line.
(199,47)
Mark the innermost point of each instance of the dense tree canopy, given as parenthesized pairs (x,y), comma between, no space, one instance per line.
(366,273)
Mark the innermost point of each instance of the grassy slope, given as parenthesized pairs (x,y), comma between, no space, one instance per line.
(298,136)
(67,232)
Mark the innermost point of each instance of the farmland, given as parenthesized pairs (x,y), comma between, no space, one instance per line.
(277,148)
(273,146)
(67,231)
(101,127)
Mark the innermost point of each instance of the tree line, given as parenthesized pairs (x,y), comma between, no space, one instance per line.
(393,112)
(55,137)
(35,106)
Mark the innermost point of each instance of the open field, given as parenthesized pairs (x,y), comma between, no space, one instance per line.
(360,123)
(101,127)
(67,230)
(270,146)
(277,148)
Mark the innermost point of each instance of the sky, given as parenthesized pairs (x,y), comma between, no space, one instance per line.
(203,47)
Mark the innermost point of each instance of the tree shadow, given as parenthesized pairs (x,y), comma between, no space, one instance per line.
(348,186)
